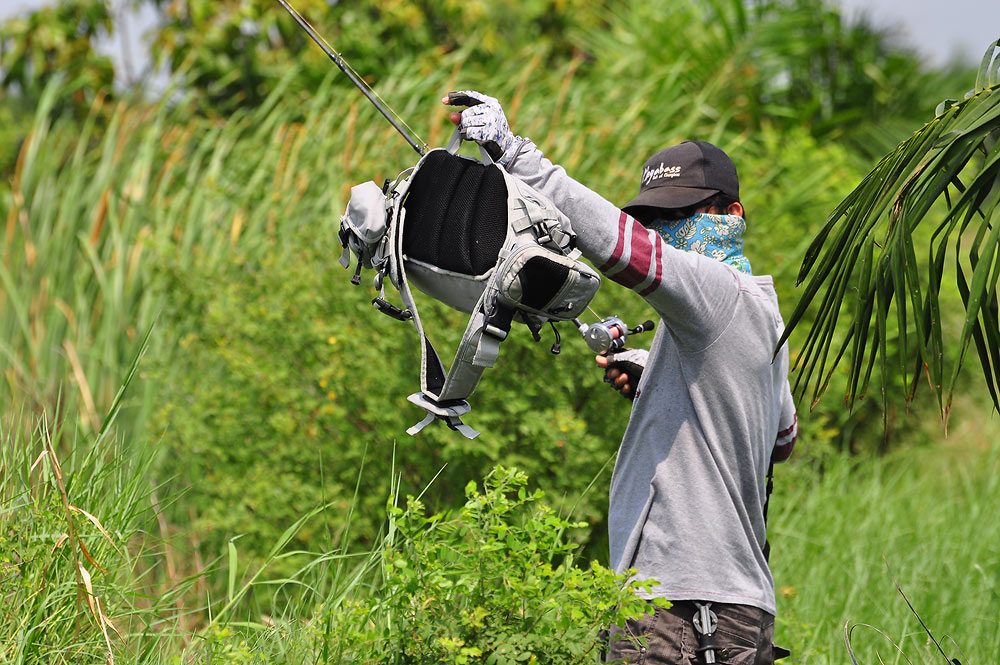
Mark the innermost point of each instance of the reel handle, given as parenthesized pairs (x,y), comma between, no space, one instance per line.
(642,327)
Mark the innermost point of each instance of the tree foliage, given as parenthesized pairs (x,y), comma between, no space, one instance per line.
(785,63)
(233,50)
(866,258)
(57,41)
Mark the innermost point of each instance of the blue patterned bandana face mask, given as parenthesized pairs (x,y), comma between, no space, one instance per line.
(718,237)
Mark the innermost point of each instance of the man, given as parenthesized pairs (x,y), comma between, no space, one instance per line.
(711,410)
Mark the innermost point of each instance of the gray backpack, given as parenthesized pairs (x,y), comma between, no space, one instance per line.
(478,239)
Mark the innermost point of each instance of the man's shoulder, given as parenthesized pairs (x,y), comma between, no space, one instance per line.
(758,293)
(762,285)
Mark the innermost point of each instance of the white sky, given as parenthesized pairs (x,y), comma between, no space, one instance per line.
(129,55)
(938,29)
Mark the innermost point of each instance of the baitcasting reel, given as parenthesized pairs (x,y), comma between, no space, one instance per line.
(610,334)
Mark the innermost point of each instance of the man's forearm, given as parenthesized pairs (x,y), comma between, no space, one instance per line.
(693,294)
(594,218)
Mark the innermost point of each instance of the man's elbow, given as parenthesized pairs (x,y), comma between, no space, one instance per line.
(783,452)
(785,442)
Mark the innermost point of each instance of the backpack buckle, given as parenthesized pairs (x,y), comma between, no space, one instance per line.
(387,308)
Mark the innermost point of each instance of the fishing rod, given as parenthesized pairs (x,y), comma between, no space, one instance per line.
(372,96)
(607,336)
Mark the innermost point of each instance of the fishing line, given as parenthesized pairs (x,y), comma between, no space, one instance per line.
(374,92)
(395,119)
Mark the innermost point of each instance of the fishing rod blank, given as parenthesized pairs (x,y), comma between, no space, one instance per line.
(339,61)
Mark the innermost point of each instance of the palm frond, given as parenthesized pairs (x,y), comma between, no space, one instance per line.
(869,258)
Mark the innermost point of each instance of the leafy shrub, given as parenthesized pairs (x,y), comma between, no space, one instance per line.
(495,583)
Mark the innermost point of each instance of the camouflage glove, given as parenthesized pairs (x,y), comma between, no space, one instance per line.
(485,123)
(630,362)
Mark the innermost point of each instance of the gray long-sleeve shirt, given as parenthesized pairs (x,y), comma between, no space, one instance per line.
(688,489)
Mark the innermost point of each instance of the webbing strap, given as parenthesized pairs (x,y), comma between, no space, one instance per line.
(529,211)
(767,499)
(477,351)
(455,142)
(479,348)
(449,413)
(432,374)
(460,427)
(544,224)
(413,431)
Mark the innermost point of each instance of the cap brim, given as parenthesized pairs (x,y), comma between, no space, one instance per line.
(667,197)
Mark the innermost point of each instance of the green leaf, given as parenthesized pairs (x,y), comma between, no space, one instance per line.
(985,77)
(231,588)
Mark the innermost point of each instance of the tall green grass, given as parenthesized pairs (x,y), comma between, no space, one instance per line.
(81,561)
(91,573)
(923,518)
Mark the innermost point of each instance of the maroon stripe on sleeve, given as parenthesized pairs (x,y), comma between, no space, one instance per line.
(640,257)
(619,248)
(783,452)
(659,270)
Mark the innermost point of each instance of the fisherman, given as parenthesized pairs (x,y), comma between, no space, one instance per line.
(712,408)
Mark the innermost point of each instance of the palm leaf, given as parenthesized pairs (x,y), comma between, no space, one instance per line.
(867,259)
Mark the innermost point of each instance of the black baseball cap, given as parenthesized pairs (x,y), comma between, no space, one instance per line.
(683,175)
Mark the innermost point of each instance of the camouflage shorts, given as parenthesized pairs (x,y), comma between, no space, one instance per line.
(744,636)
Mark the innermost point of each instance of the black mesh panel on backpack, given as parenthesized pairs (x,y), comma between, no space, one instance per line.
(456,214)
(541,280)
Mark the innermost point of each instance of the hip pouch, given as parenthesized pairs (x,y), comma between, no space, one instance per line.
(538,281)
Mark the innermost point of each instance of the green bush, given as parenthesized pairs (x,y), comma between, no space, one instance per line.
(494,583)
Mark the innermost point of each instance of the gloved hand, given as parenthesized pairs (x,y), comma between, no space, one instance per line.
(485,123)
(623,370)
